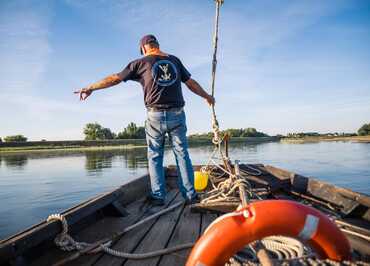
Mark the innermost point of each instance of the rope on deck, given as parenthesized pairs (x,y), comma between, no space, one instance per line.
(140,256)
(65,242)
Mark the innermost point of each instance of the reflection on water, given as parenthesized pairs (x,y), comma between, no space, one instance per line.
(33,185)
(97,161)
(16,162)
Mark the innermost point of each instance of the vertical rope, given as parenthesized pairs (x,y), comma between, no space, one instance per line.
(215,126)
(215,43)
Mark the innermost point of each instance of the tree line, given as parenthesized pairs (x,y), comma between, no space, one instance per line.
(14,138)
(364,130)
(94,131)
(316,134)
(232,132)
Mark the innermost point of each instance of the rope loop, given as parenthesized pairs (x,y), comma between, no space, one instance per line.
(64,241)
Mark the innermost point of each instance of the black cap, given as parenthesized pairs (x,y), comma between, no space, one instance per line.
(146,40)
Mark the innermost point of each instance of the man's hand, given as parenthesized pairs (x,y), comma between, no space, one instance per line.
(210,100)
(197,89)
(84,93)
(104,83)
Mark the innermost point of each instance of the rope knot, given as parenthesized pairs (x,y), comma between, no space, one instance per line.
(216,131)
(64,240)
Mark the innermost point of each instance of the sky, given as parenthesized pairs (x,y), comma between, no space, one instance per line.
(283,66)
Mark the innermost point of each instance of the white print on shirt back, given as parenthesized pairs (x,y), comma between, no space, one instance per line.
(165,76)
(164,73)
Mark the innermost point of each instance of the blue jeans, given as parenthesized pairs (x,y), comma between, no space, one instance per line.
(157,125)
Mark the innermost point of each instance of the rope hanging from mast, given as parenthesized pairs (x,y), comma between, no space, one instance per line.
(215,126)
(223,190)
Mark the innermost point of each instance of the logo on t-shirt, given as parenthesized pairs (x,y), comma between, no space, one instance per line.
(164,73)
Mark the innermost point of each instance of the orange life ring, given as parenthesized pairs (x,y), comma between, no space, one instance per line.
(231,232)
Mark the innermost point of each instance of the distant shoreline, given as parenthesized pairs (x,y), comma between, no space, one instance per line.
(82,145)
(361,139)
(66,149)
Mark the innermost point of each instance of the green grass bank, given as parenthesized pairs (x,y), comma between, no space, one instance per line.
(6,147)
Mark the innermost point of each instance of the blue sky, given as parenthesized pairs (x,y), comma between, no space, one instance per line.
(284,66)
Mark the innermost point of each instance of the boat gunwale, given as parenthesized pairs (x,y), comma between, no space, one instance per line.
(297,180)
(35,235)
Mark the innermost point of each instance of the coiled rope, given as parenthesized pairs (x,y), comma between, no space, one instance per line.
(281,248)
(226,184)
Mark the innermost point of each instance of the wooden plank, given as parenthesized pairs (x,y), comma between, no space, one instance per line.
(99,230)
(158,236)
(139,212)
(186,231)
(207,219)
(279,173)
(132,239)
(268,177)
(346,198)
(46,231)
(215,207)
(116,209)
(360,245)
(342,198)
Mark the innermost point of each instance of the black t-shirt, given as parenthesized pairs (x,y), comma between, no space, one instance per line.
(161,78)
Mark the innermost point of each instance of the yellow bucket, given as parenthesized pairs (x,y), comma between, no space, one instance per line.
(200,180)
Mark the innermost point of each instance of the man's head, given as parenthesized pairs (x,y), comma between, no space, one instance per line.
(147,42)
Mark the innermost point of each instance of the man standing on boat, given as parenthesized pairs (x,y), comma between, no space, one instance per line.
(160,75)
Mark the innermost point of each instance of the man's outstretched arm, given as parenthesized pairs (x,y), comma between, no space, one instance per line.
(198,90)
(102,84)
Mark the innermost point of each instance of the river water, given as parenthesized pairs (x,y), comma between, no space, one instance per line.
(34,185)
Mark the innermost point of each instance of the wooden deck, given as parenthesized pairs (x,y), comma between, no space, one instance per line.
(176,227)
(112,212)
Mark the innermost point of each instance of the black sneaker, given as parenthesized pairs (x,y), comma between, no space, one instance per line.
(193,200)
(155,201)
